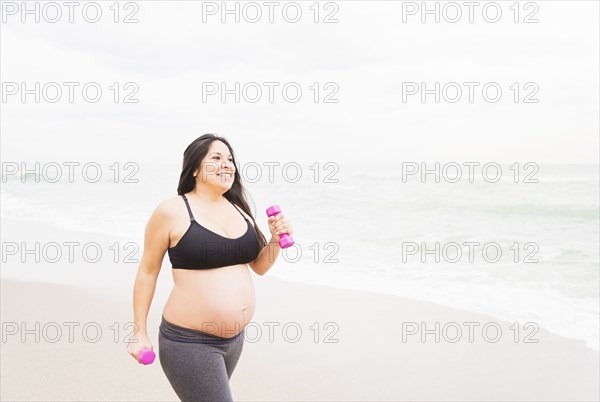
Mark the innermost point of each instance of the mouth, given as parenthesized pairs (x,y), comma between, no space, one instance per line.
(225,175)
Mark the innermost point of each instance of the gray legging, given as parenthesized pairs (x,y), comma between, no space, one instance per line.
(198,364)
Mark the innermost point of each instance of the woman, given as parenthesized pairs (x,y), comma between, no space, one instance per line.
(210,247)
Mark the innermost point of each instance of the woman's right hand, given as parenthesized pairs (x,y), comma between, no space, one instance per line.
(136,344)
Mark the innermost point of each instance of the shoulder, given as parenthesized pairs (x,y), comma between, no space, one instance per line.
(168,207)
(161,219)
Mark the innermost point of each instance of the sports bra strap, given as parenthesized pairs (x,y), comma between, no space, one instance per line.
(188,207)
(238,210)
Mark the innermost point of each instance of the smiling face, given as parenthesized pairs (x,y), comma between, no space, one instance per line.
(217,167)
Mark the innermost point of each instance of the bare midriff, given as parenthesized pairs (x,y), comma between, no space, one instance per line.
(219,301)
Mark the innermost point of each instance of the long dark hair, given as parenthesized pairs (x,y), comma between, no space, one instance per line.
(192,158)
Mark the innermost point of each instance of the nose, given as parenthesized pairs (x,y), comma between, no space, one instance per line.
(226,164)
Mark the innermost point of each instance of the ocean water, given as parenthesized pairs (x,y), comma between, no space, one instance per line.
(360,228)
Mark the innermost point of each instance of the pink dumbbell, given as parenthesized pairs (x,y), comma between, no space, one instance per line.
(285,240)
(146,356)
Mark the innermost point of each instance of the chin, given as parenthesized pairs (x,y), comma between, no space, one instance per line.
(226,185)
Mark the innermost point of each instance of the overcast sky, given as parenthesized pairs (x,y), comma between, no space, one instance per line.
(368,55)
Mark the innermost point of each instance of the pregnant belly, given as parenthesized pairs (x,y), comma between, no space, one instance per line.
(219,301)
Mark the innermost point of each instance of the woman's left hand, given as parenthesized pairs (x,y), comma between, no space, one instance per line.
(279,224)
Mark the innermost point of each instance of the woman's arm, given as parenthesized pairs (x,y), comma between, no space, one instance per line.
(156,242)
(269,253)
(267,256)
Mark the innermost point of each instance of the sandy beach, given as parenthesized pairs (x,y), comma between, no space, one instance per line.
(369,361)
(305,342)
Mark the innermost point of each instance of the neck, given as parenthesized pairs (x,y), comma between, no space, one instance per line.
(208,195)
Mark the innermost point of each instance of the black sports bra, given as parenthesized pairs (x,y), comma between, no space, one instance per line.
(201,248)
